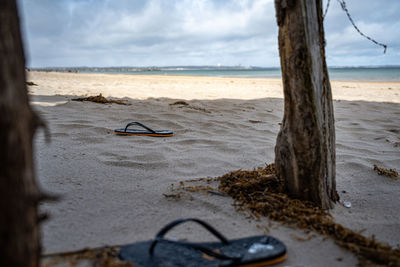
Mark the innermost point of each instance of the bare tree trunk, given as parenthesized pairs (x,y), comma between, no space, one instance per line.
(19,196)
(305,147)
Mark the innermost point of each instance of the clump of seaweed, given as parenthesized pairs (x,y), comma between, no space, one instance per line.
(176,196)
(262,193)
(101,257)
(255,121)
(181,102)
(391,173)
(100,99)
(31,83)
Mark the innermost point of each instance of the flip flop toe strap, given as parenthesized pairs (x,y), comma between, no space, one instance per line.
(139,124)
(163,231)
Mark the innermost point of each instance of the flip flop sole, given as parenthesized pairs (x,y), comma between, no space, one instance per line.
(258,251)
(266,263)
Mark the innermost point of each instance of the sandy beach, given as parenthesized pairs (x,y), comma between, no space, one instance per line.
(112,187)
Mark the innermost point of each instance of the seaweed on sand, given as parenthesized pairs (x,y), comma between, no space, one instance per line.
(100,99)
(261,192)
(183,103)
(392,173)
(31,83)
(101,257)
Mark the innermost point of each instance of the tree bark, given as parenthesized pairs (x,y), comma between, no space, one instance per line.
(305,147)
(19,195)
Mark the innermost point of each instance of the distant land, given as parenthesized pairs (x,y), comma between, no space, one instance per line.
(177,68)
(148,68)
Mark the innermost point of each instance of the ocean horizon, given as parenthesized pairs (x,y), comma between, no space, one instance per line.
(391,73)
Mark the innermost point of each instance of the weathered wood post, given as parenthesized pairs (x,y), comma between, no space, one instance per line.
(305,147)
(19,196)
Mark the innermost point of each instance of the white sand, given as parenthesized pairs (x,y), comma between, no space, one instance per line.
(113,186)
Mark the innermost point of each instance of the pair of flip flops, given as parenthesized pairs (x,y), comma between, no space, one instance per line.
(147,131)
(254,251)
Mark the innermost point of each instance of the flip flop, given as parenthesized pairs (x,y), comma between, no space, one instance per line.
(147,131)
(254,251)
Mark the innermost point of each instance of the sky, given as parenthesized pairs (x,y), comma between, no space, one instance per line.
(104,33)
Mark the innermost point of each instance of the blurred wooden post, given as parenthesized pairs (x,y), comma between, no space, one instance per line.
(305,147)
(19,196)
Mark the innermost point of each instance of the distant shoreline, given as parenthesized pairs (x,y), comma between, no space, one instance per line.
(367,74)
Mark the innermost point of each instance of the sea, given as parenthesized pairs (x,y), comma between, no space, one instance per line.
(335,73)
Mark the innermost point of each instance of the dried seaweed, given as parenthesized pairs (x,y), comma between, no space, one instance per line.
(261,192)
(98,257)
(100,99)
(255,121)
(392,173)
(183,103)
(174,196)
(31,83)
(198,188)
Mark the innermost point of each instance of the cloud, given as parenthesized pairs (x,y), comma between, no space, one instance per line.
(187,32)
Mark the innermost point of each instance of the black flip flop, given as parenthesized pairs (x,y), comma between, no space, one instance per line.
(147,131)
(254,251)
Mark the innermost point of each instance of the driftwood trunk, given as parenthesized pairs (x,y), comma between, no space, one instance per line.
(305,147)
(19,196)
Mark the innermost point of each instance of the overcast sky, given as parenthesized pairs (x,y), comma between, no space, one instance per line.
(194,32)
